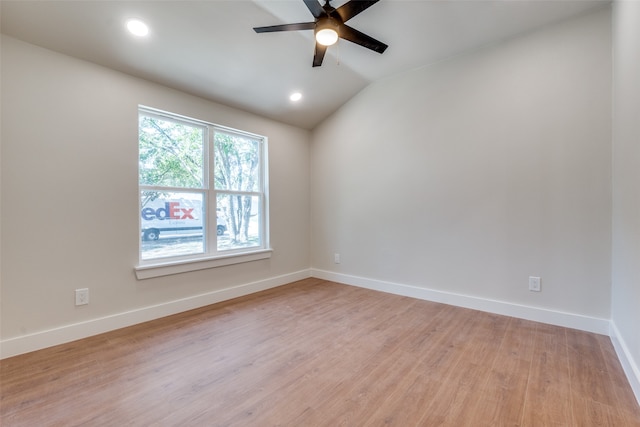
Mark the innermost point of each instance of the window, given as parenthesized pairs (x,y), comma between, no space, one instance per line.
(202,191)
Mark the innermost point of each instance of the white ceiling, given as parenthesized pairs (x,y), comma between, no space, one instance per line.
(208,48)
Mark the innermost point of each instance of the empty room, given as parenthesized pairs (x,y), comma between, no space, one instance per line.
(426,213)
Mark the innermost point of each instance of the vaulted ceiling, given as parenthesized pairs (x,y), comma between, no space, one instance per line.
(208,48)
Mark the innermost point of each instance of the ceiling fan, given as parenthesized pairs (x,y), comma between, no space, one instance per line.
(329,25)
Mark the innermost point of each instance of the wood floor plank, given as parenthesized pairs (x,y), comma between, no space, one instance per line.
(588,368)
(343,363)
(627,406)
(499,400)
(378,378)
(318,353)
(588,412)
(279,372)
(458,392)
(435,357)
(548,398)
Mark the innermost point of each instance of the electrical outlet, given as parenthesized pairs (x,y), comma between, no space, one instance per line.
(82,296)
(336,258)
(534,284)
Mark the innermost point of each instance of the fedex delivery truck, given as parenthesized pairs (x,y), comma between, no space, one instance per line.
(174,217)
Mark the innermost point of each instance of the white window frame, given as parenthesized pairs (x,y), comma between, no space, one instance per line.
(211,258)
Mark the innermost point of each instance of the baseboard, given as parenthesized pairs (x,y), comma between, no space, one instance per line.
(48,338)
(629,365)
(569,320)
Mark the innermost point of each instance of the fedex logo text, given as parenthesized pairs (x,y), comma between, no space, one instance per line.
(171,210)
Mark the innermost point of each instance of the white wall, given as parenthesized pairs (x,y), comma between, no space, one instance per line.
(69,201)
(469,176)
(626,184)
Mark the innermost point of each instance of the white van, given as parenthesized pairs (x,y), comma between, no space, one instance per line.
(174,217)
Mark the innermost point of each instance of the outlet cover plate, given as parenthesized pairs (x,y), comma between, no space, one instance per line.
(82,296)
(534,284)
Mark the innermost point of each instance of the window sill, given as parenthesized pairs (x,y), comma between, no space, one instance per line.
(148,271)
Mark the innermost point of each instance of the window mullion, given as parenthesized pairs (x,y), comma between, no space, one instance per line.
(212,217)
(171,189)
(242,193)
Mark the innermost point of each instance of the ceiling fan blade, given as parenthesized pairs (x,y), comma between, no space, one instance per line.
(352,8)
(319,54)
(355,36)
(314,7)
(286,27)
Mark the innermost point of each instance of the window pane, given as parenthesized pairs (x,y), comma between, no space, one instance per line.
(171,153)
(242,217)
(237,163)
(171,224)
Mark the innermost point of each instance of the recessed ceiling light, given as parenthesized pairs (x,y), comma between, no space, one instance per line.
(296,96)
(137,27)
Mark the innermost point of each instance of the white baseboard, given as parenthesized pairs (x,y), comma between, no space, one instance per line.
(629,365)
(569,320)
(48,338)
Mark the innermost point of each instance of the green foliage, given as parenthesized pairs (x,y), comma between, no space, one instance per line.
(171,154)
(236,164)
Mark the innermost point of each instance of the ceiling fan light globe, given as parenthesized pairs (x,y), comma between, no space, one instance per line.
(327,36)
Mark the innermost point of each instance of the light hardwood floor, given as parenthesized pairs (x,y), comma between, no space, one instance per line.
(317,353)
